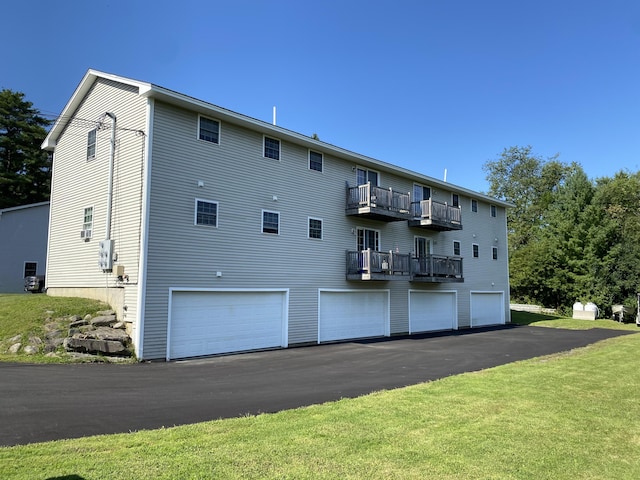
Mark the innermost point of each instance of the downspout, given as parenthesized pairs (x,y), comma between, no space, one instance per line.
(112,157)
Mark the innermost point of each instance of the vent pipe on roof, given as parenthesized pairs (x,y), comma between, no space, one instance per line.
(274,115)
(445,175)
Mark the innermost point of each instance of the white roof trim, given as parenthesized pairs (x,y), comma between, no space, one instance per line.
(169,96)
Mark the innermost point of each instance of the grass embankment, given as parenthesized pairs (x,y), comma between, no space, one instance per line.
(26,315)
(566,416)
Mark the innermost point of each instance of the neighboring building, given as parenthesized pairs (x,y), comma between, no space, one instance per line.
(23,244)
(212,232)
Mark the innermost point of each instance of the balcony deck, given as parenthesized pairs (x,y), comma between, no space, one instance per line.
(436,269)
(371,265)
(435,216)
(383,266)
(378,203)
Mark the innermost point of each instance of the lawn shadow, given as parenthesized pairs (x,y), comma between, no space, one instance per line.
(527,318)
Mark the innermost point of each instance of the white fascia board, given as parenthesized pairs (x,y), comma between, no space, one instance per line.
(72,105)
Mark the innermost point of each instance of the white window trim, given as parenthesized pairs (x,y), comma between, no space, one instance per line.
(429,242)
(473,249)
(321,161)
(84,230)
(264,148)
(195,213)
(219,130)
(360,167)
(321,228)
(453,248)
(471,205)
(378,232)
(452,202)
(262,222)
(493,208)
(95,145)
(494,256)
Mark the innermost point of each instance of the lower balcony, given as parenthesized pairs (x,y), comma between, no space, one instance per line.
(436,269)
(372,265)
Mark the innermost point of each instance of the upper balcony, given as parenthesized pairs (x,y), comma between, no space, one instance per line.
(435,216)
(378,203)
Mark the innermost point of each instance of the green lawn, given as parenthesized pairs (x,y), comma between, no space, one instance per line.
(568,416)
(27,314)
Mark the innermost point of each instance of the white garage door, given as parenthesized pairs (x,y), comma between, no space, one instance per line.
(210,322)
(353,314)
(487,308)
(431,311)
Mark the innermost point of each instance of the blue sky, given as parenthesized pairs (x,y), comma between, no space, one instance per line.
(427,85)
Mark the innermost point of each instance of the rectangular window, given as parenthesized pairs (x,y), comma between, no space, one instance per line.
(456,248)
(272,148)
(209,130)
(270,222)
(476,250)
(455,200)
(363,176)
(494,253)
(368,239)
(315,161)
(422,246)
(494,211)
(87,223)
(474,205)
(206,213)
(92,138)
(315,228)
(30,269)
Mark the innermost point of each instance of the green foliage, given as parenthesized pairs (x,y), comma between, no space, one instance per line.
(570,238)
(24,168)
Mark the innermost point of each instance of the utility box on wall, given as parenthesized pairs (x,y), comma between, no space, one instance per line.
(105,255)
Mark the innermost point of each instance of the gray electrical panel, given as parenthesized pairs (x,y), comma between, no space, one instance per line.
(105,255)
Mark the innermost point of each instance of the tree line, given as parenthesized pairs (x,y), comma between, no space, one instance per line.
(25,169)
(570,238)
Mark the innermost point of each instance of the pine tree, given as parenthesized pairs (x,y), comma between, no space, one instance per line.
(25,169)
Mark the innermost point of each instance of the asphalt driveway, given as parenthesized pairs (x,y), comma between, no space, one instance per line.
(50,402)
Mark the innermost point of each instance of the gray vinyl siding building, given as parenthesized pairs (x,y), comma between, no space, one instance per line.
(23,244)
(220,248)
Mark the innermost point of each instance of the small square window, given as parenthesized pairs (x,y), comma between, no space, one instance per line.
(92,138)
(494,253)
(270,222)
(494,211)
(474,206)
(476,250)
(30,269)
(209,130)
(456,248)
(455,200)
(315,161)
(272,148)
(315,228)
(206,213)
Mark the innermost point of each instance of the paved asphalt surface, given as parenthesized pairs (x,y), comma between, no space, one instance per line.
(50,402)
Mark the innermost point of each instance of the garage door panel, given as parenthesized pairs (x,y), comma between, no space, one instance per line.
(210,322)
(487,308)
(348,314)
(432,311)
